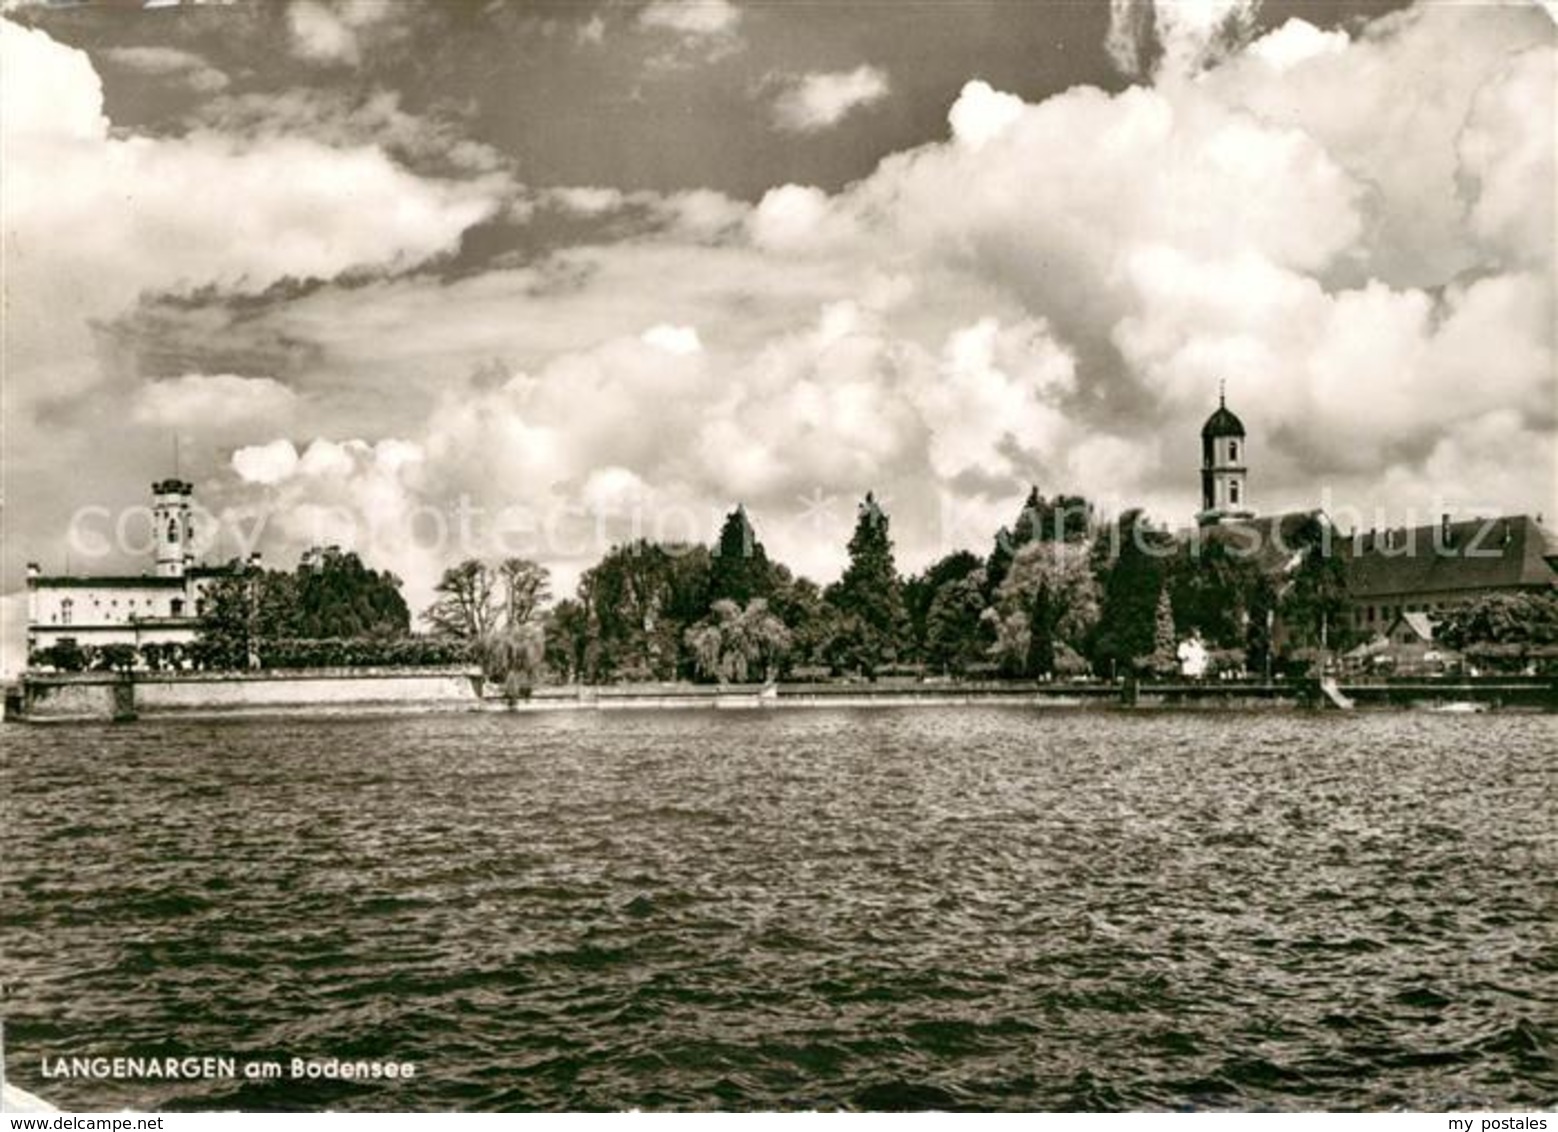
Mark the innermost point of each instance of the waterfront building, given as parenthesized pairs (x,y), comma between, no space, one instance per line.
(161,606)
(1406,648)
(1390,573)
(1397,572)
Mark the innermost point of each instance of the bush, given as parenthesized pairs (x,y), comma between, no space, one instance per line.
(67,656)
(364,652)
(115,658)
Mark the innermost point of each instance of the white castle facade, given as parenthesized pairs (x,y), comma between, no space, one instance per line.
(162,607)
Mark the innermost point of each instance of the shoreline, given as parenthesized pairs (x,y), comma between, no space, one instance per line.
(105,697)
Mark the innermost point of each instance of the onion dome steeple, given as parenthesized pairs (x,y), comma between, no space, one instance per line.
(1223,494)
(1222,422)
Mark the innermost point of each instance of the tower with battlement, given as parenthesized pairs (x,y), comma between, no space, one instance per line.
(174,526)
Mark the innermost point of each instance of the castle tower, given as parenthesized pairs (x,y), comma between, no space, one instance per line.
(174,527)
(1223,491)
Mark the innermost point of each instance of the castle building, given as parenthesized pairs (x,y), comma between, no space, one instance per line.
(161,607)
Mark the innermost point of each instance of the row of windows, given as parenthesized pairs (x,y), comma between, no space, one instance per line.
(67,611)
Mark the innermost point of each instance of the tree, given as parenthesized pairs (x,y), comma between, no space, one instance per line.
(1164,657)
(468,602)
(334,595)
(920,592)
(739,569)
(639,600)
(871,592)
(814,624)
(1132,589)
(513,656)
(1315,600)
(241,607)
(954,632)
(1048,599)
(1066,518)
(1517,619)
(1262,614)
(736,642)
(522,588)
(1214,590)
(567,639)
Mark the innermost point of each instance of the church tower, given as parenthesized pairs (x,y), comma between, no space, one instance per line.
(173,525)
(1223,491)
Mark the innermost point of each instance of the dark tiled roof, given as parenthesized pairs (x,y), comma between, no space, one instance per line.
(1509,552)
(106,582)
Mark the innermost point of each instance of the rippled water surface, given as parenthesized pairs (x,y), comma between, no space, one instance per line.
(884,909)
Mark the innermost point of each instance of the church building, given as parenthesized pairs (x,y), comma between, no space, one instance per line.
(1390,573)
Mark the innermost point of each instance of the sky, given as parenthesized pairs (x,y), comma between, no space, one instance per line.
(460,279)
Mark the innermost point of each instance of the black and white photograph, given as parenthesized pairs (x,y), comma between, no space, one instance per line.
(778,556)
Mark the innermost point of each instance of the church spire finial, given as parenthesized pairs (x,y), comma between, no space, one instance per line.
(1222,393)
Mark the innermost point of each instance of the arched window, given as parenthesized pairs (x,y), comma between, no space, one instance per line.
(1233,492)
(67,611)
(178,607)
(173,530)
(1233,451)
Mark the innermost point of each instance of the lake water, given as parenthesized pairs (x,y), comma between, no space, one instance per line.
(986,908)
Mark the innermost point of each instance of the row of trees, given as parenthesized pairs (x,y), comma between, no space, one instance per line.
(1057,594)
(250,612)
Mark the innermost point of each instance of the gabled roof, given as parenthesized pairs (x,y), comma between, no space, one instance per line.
(1508,552)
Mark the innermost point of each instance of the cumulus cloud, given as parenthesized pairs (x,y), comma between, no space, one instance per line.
(1073,307)
(333,33)
(1179,37)
(981,113)
(222,403)
(97,218)
(266,463)
(593,31)
(798,218)
(1354,231)
(812,102)
(171,63)
(693,19)
(1297,41)
(705,30)
(141,214)
(1505,163)
(357,494)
